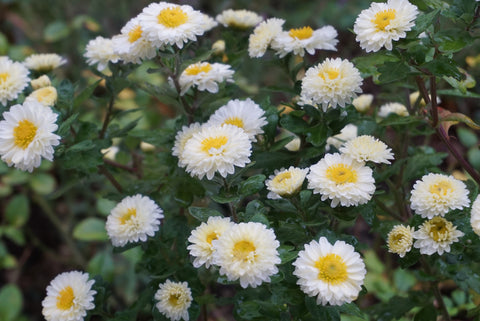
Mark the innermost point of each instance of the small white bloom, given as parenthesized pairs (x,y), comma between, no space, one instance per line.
(44,62)
(400,239)
(347,133)
(475,216)
(363,102)
(437,194)
(69,297)
(47,96)
(42,81)
(367,148)
(392,108)
(26,135)
(333,273)
(13,79)
(294,145)
(241,19)
(285,182)
(181,139)
(245,114)
(132,45)
(100,51)
(263,35)
(436,235)
(133,219)
(174,299)
(205,76)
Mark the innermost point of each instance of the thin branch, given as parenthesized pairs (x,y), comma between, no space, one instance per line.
(103,170)
(435,289)
(433,101)
(118,165)
(107,117)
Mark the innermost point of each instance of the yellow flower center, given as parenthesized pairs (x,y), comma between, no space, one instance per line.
(210,237)
(441,188)
(3,77)
(195,69)
(24,133)
(244,250)
(280,178)
(172,17)
(330,73)
(332,269)
(342,174)
(301,33)
(439,229)
(382,19)
(131,212)
(235,121)
(173,299)
(135,34)
(213,142)
(65,298)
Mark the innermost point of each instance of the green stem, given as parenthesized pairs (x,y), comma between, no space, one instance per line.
(436,291)
(103,170)
(107,116)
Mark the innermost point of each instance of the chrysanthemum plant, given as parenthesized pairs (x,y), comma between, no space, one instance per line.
(234,189)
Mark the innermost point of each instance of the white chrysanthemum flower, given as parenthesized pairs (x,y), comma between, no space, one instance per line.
(437,194)
(285,182)
(44,62)
(294,145)
(334,82)
(100,51)
(392,108)
(168,24)
(26,135)
(347,133)
(205,76)
(219,47)
(174,299)
(400,239)
(475,216)
(333,273)
(132,45)
(69,297)
(382,23)
(181,139)
(363,102)
(305,39)
(245,114)
(133,219)
(436,235)
(247,251)
(341,179)
(13,79)
(241,19)
(40,82)
(47,96)
(202,237)
(208,23)
(367,148)
(263,35)
(216,149)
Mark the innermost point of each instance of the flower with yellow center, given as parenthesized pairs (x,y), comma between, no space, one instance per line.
(13,79)
(245,114)
(239,19)
(44,62)
(132,45)
(174,299)
(437,194)
(201,239)
(436,236)
(382,23)
(133,219)
(205,76)
(263,36)
(47,96)
(392,108)
(99,51)
(285,182)
(247,252)
(26,135)
(367,148)
(400,239)
(305,39)
(341,179)
(181,139)
(333,273)
(69,297)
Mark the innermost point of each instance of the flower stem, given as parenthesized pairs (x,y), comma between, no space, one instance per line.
(436,291)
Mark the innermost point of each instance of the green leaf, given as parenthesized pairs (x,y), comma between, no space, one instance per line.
(90,229)
(43,184)
(294,124)
(287,253)
(202,213)
(467,137)
(104,206)
(85,94)
(55,31)
(322,312)
(10,302)
(427,313)
(17,210)
(64,128)
(452,40)
(473,156)
(252,185)
(102,264)
(443,66)
(424,21)
(393,71)
(317,135)
(368,64)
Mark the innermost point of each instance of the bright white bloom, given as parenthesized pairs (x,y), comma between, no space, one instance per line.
(367,148)
(133,219)
(110,152)
(247,251)
(47,96)
(42,81)
(285,182)
(69,297)
(363,102)
(382,23)
(205,76)
(174,299)
(334,273)
(181,139)
(437,194)
(13,79)
(436,235)
(263,35)
(168,24)
(392,108)
(294,145)
(216,149)
(305,39)
(475,216)
(334,82)
(132,45)
(100,51)
(341,179)
(26,135)
(400,239)
(202,237)
(245,114)
(241,19)
(347,133)
(44,62)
